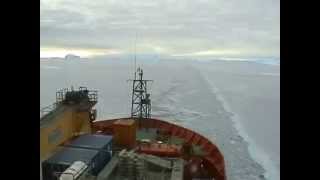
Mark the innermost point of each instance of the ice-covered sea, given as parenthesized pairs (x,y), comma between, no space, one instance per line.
(234,104)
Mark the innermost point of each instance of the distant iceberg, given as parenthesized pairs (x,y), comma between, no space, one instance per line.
(71,57)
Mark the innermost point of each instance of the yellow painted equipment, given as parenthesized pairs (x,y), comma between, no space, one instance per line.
(62,127)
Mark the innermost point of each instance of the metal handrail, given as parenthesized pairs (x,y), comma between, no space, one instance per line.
(60,97)
(46,110)
(93,96)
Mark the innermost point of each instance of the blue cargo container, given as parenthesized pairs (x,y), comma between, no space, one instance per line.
(93,141)
(60,161)
(102,143)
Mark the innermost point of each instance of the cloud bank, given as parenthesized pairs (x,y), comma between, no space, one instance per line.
(246,28)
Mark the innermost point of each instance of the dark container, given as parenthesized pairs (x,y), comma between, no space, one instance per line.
(101,143)
(92,141)
(65,157)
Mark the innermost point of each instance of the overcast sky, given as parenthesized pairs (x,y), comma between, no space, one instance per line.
(226,28)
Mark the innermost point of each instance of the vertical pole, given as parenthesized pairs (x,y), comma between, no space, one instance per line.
(135,57)
(132,100)
(141,105)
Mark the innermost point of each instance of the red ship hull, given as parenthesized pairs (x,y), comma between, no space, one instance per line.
(213,161)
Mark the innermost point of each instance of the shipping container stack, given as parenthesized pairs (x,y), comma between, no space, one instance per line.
(101,143)
(93,150)
(65,157)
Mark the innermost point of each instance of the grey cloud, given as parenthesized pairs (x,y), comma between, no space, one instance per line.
(177,26)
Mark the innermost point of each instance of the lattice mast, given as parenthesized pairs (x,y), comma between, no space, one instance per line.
(141,103)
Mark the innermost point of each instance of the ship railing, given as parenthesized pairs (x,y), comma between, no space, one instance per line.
(61,94)
(46,110)
(61,97)
(93,96)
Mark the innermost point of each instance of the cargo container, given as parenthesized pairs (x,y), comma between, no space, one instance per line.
(125,133)
(101,143)
(92,141)
(66,156)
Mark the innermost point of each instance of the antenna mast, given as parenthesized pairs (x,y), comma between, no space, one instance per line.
(141,103)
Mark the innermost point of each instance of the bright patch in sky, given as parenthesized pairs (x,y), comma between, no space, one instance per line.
(62,52)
